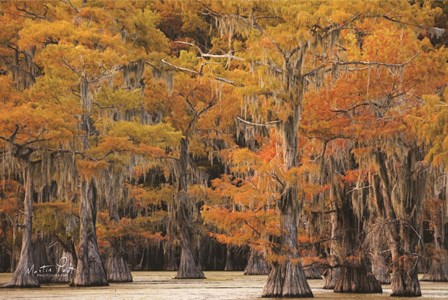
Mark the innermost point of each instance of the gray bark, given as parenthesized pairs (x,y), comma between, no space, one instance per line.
(24,276)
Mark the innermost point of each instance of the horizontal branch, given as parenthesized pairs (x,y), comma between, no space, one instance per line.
(228,55)
(196,73)
(267,124)
(376,63)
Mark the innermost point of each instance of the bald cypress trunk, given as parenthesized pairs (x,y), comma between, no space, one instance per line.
(23,276)
(89,268)
(287,278)
(355,274)
(401,211)
(169,256)
(230,265)
(379,267)
(116,265)
(256,265)
(332,274)
(438,270)
(187,267)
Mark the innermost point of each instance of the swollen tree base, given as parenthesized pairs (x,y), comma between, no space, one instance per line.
(312,273)
(117,269)
(188,268)
(24,276)
(256,265)
(356,280)
(287,281)
(438,272)
(22,280)
(331,276)
(90,270)
(405,284)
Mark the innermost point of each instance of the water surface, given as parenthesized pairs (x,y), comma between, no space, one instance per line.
(217,286)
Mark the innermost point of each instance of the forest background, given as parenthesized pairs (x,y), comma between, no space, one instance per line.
(289,138)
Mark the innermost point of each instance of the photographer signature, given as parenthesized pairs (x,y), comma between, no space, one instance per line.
(62,267)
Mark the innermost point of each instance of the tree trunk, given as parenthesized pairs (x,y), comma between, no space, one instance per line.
(116,265)
(331,274)
(404,281)
(117,268)
(14,242)
(256,264)
(24,276)
(169,256)
(187,268)
(355,273)
(399,201)
(379,268)
(287,278)
(438,271)
(229,259)
(65,270)
(357,279)
(312,273)
(89,269)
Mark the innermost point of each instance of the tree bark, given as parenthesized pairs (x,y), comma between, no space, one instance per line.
(117,267)
(169,256)
(287,278)
(332,274)
(229,259)
(379,267)
(312,273)
(187,268)
(256,265)
(438,271)
(89,270)
(355,274)
(401,204)
(24,276)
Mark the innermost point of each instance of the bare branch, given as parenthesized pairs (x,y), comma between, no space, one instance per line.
(229,55)
(376,63)
(267,124)
(181,68)
(196,73)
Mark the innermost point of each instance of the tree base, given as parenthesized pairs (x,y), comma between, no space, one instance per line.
(117,269)
(287,281)
(190,274)
(383,278)
(188,268)
(312,273)
(331,276)
(405,284)
(22,281)
(356,280)
(90,270)
(256,265)
(438,272)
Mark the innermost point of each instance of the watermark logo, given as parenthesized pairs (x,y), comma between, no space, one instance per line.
(64,266)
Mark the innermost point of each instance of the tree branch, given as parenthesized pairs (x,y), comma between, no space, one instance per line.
(267,124)
(229,55)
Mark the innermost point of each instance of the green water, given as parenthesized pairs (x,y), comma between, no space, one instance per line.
(217,286)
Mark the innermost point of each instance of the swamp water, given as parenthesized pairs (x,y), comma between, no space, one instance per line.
(217,286)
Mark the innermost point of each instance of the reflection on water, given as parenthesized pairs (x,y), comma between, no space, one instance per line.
(217,286)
